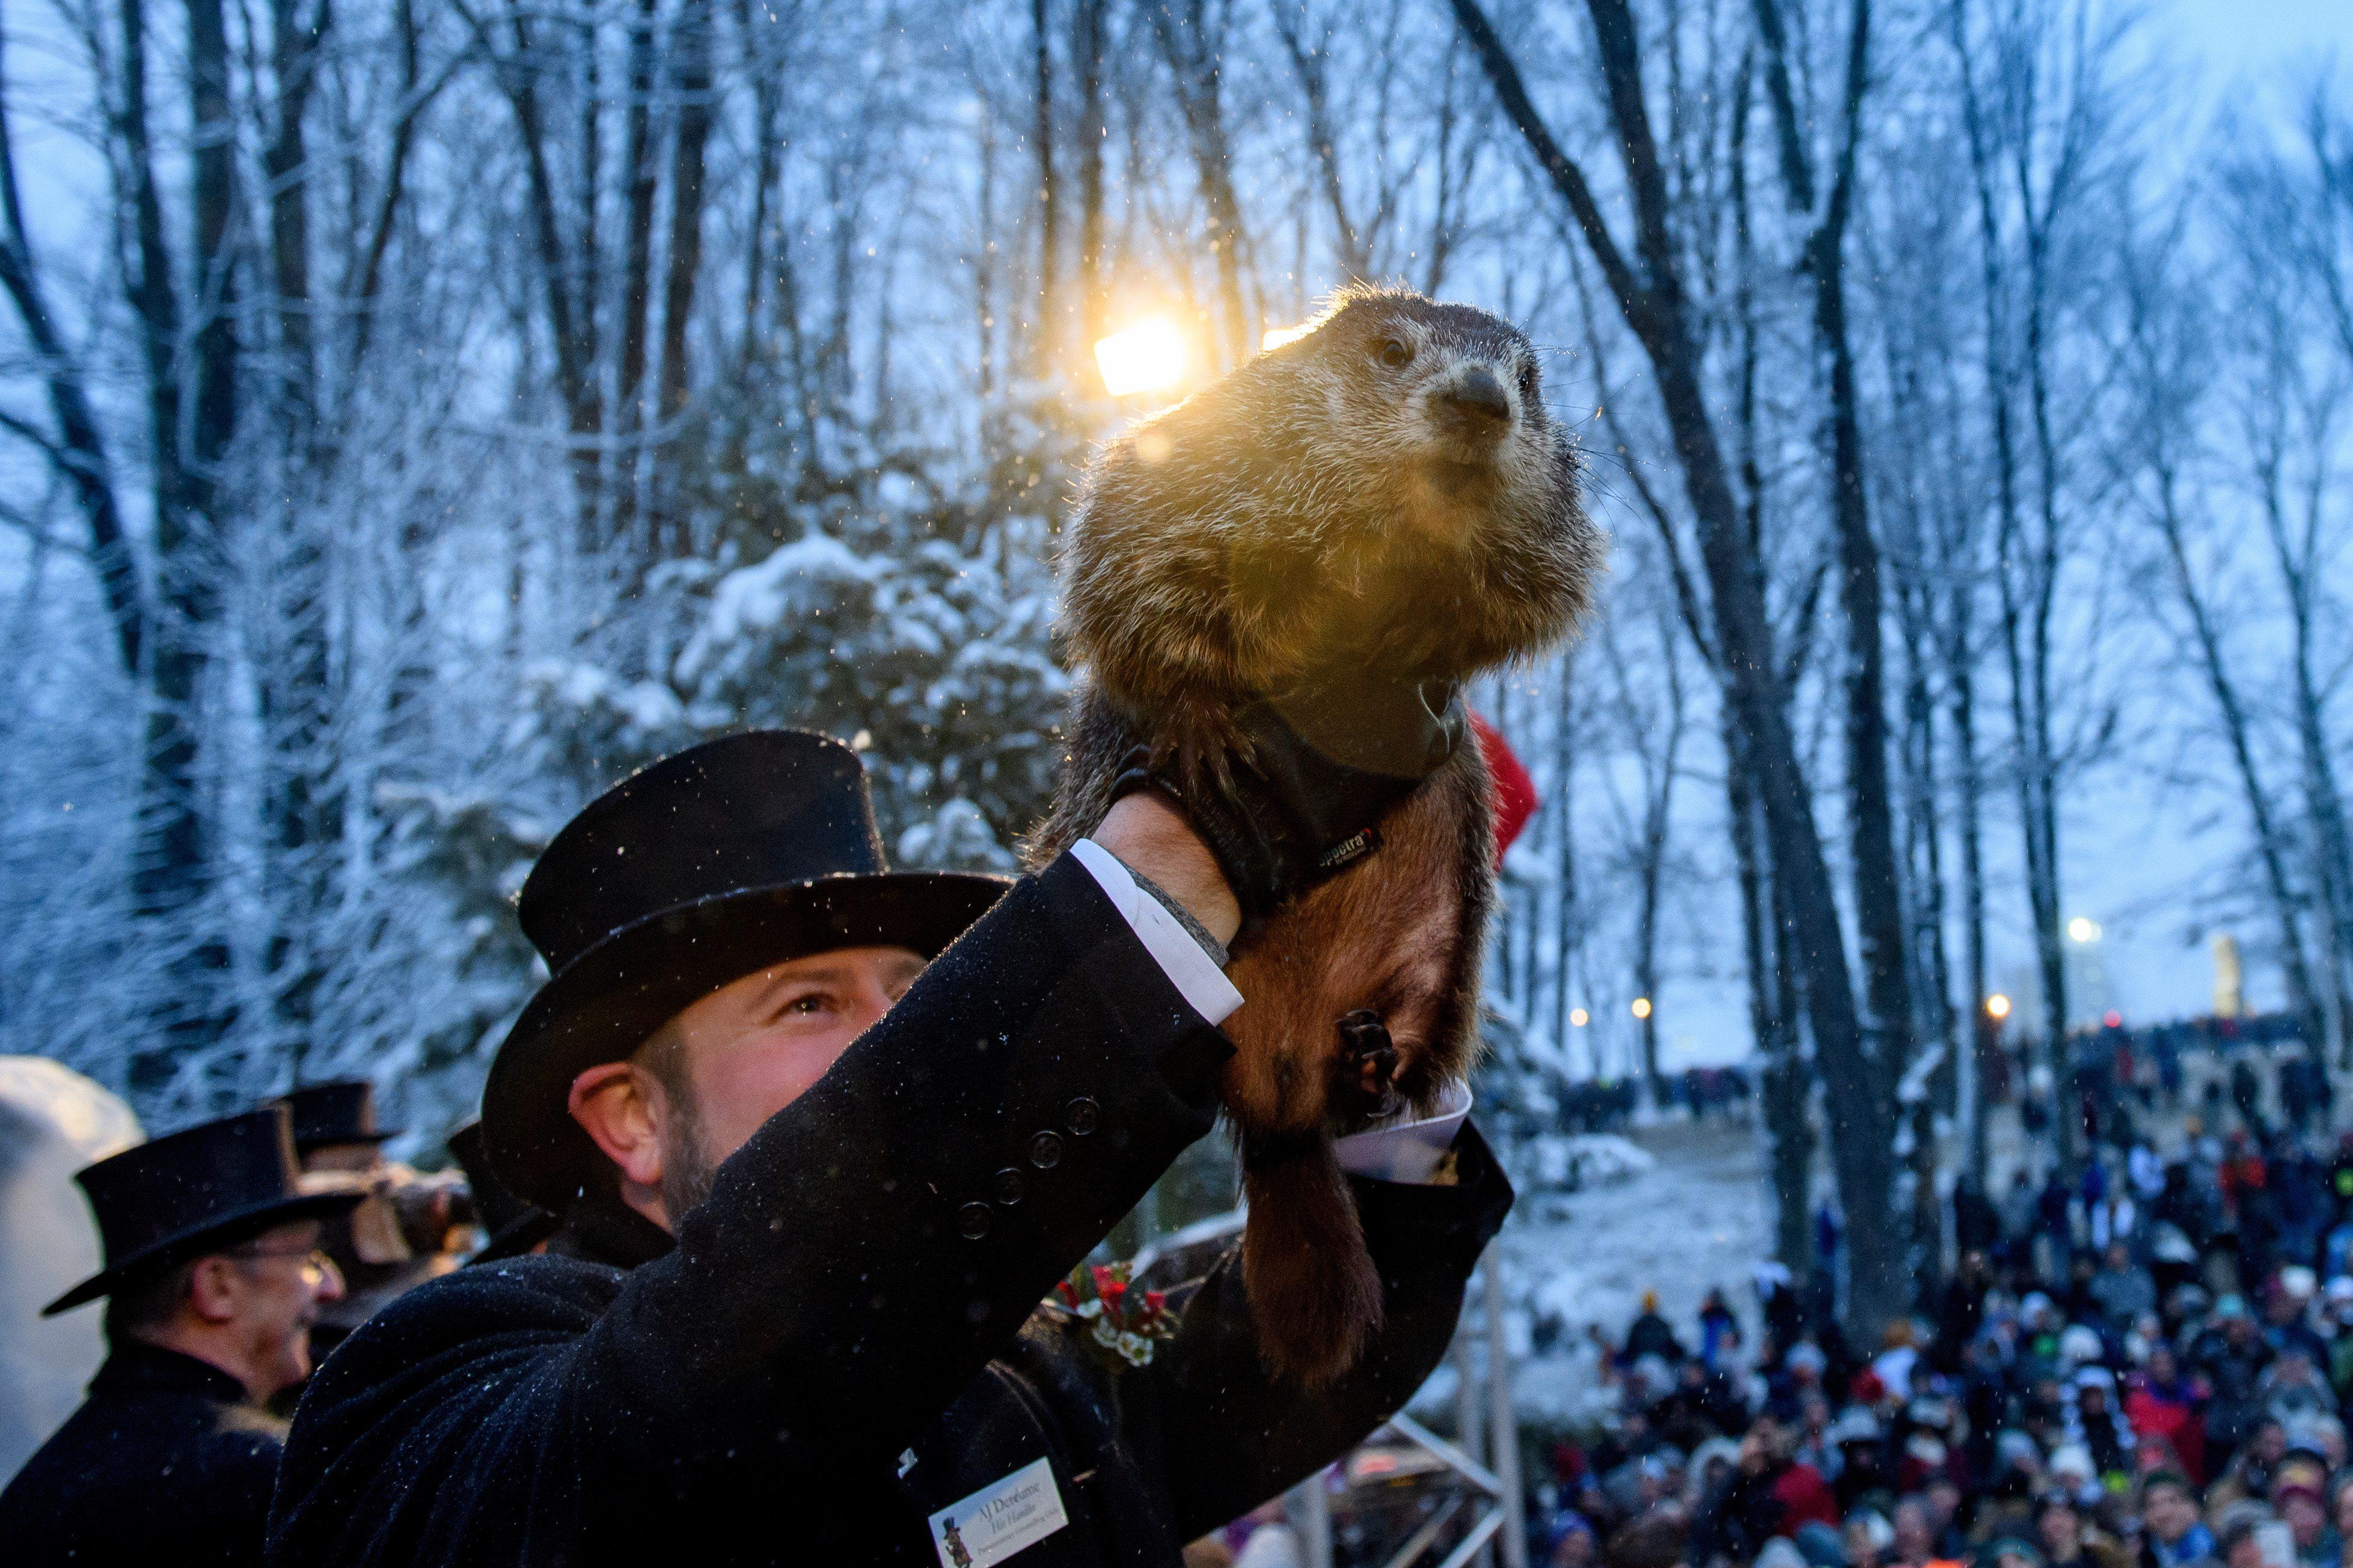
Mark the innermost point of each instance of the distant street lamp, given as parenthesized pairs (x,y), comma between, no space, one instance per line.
(1149,356)
(1997,1007)
(2081,930)
(1641,1006)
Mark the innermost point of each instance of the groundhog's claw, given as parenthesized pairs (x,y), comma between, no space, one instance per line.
(1368,1065)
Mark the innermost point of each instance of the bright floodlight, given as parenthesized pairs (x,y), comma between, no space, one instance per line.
(2082,930)
(1997,1006)
(1145,357)
(1641,1006)
(1277,336)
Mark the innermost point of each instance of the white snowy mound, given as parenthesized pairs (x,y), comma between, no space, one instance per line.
(53,1122)
(1565,1163)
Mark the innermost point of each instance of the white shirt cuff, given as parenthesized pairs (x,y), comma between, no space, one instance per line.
(1191,970)
(1406,1151)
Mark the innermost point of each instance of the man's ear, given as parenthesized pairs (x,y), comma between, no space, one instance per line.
(216,1288)
(617,1105)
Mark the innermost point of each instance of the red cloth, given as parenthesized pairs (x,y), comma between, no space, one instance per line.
(2151,1414)
(1513,793)
(2242,1175)
(1805,1498)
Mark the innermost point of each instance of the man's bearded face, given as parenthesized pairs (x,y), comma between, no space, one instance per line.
(742,1054)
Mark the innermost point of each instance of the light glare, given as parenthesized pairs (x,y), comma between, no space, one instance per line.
(1276,337)
(1577,1018)
(2081,928)
(1997,1006)
(1145,357)
(1641,1006)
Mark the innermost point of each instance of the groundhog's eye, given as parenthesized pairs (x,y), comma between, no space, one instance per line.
(1528,379)
(1396,355)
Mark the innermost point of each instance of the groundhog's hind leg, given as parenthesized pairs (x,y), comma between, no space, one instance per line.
(1315,1294)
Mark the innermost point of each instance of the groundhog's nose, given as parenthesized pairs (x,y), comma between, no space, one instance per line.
(1477,398)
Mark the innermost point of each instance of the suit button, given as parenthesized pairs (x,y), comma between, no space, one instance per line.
(973,1221)
(1081,1116)
(1046,1151)
(1008,1187)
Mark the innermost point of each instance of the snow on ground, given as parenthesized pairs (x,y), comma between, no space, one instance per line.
(1678,1208)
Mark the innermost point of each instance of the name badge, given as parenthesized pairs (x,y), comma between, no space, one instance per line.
(998,1521)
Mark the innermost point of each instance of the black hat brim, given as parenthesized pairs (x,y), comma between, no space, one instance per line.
(518,1236)
(311,1145)
(611,999)
(214,1235)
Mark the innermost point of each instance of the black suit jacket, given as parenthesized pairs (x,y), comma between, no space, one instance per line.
(165,1462)
(840,1342)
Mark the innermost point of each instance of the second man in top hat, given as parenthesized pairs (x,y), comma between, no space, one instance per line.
(212,1278)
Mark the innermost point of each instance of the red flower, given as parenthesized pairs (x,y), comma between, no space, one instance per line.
(1108,1286)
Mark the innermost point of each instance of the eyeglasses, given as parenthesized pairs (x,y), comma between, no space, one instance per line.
(313,1258)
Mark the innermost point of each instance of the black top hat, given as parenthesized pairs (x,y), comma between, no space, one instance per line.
(713,864)
(328,1113)
(202,1190)
(510,1223)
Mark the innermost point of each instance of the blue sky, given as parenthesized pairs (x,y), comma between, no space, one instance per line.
(2232,37)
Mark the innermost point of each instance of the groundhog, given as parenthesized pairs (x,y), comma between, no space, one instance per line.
(1384,494)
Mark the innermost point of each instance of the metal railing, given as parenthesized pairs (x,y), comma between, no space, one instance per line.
(1482,1377)
(1483,1425)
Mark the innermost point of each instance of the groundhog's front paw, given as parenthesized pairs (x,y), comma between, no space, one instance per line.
(1365,1073)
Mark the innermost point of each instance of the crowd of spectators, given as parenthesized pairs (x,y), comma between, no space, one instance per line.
(1609,1105)
(2141,1360)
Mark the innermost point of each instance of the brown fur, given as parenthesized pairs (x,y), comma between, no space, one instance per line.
(1319,508)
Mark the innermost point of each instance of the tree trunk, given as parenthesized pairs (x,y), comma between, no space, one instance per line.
(294,50)
(691,55)
(638,240)
(79,453)
(1969,786)
(2270,842)
(1878,894)
(571,312)
(1654,303)
(1046,342)
(1566,938)
(370,287)
(1088,39)
(1311,71)
(1772,1019)
(1194,62)
(2034,764)
(2295,555)
(765,166)
(175,871)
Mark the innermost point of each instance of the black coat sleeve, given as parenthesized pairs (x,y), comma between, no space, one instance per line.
(1228,1434)
(829,1299)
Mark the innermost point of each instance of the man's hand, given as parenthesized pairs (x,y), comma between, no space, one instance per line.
(1318,767)
(1152,839)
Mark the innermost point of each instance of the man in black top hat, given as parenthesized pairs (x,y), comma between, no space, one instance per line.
(335,1125)
(510,1224)
(397,1236)
(214,1274)
(817,1168)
